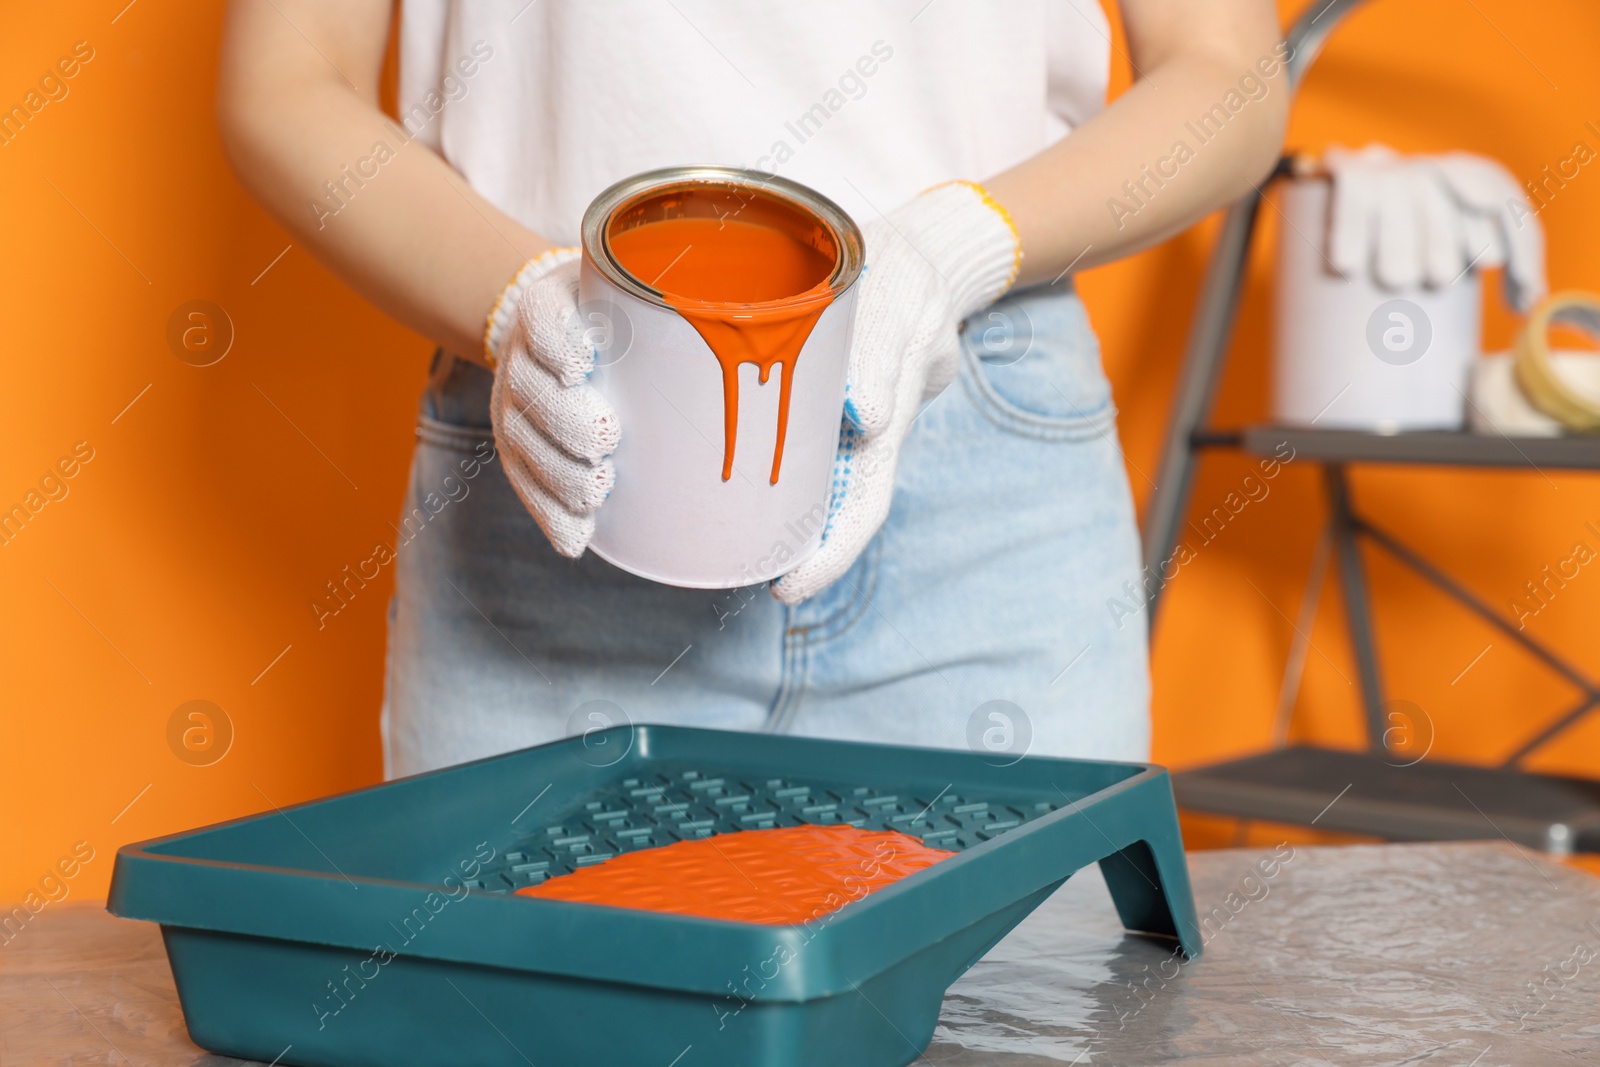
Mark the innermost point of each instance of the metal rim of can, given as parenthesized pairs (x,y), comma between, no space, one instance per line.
(846,234)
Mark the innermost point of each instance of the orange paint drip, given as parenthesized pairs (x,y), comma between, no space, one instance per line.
(753,292)
(779,877)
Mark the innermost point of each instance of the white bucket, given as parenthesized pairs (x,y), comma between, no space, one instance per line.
(1350,354)
(671,517)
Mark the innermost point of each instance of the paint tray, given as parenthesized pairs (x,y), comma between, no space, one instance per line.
(379,927)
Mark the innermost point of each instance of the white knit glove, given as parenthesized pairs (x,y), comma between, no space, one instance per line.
(552,429)
(948,253)
(1427,220)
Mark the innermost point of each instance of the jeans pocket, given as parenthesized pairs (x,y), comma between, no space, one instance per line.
(1031,365)
(454,413)
(457,393)
(454,436)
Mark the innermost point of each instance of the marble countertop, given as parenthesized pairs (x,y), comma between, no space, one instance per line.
(1456,955)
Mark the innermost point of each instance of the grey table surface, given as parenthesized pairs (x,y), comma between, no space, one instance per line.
(1468,955)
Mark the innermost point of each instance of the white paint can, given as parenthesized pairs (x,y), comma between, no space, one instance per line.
(1351,354)
(672,517)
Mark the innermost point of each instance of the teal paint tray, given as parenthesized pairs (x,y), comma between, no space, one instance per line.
(379,928)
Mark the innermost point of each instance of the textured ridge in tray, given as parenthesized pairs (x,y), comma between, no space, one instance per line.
(687,803)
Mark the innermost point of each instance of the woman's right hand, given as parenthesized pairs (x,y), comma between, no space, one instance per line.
(553,430)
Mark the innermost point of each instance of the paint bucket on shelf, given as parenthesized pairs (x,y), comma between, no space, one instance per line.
(1351,354)
(720,302)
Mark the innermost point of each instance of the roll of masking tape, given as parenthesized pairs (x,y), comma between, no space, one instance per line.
(1535,374)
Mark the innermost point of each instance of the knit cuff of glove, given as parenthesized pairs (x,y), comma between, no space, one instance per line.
(968,237)
(502,320)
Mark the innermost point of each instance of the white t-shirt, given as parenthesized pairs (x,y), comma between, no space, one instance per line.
(543,104)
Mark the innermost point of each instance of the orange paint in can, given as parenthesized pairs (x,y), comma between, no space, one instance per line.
(752,276)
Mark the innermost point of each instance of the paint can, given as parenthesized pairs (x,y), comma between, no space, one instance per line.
(1352,354)
(700,500)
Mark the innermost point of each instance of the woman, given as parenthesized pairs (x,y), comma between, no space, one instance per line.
(960,595)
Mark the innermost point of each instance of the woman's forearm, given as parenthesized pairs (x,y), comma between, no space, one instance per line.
(298,110)
(1162,155)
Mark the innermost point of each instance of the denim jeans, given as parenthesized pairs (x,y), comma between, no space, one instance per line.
(978,616)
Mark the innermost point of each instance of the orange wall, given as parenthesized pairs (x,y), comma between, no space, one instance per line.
(181,561)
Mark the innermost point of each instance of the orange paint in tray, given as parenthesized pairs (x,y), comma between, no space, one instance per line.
(781,876)
(752,282)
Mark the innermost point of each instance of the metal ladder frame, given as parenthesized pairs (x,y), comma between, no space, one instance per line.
(1188,434)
